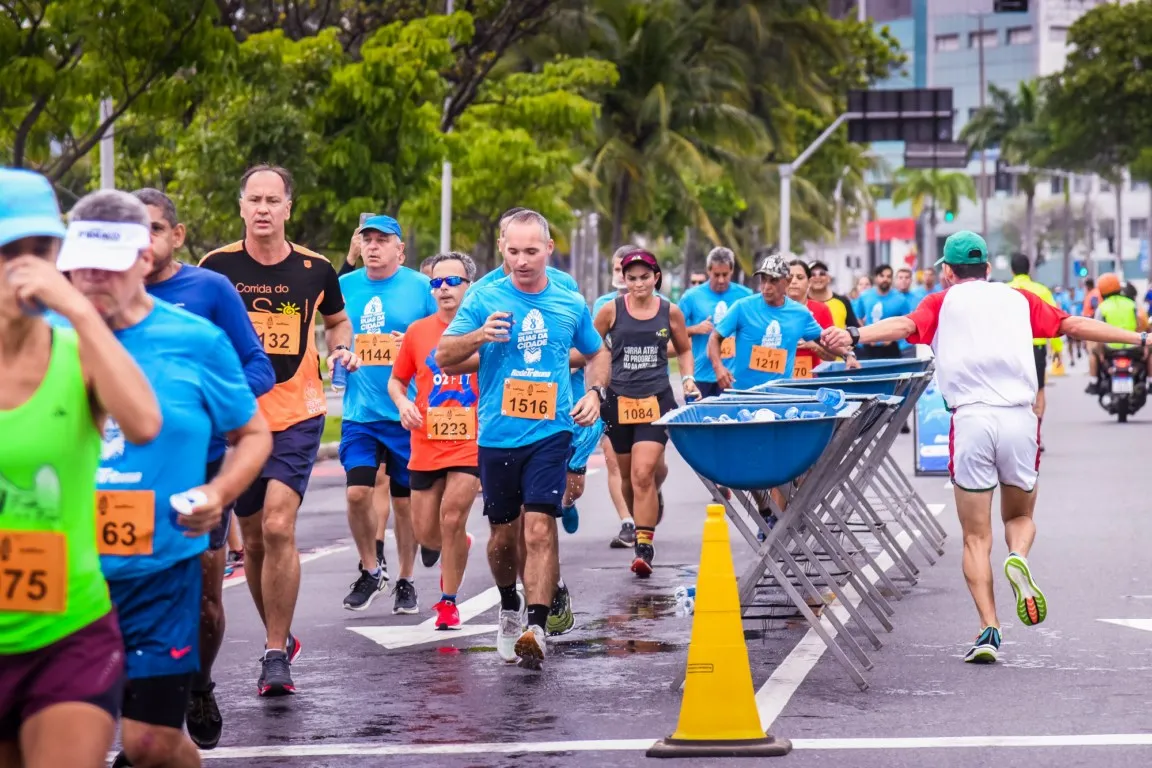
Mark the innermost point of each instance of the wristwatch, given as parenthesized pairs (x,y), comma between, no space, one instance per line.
(338,347)
(853,333)
(602,392)
(1143,339)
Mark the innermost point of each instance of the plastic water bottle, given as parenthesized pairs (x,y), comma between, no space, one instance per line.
(184,503)
(812,415)
(765,414)
(686,601)
(339,376)
(708,420)
(725,419)
(792,413)
(745,414)
(683,593)
(833,398)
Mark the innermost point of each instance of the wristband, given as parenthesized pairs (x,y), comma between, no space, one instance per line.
(339,347)
(687,378)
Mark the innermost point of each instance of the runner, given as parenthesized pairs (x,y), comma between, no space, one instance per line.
(61,652)
(810,354)
(981,333)
(641,325)
(560,277)
(442,421)
(383,299)
(283,286)
(527,417)
(768,329)
(820,289)
(212,297)
(705,306)
(1021,267)
(150,554)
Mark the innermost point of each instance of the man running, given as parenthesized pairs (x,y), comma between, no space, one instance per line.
(61,651)
(150,552)
(283,286)
(527,417)
(382,299)
(820,289)
(1021,279)
(704,307)
(981,334)
(641,324)
(442,421)
(210,296)
(878,303)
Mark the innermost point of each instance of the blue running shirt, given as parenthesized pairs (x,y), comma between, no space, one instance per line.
(755,323)
(378,307)
(202,391)
(702,303)
(545,326)
(875,308)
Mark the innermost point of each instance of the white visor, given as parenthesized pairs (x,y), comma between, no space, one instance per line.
(102,245)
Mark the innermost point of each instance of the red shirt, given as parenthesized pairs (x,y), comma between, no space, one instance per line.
(417,357)
(824,317)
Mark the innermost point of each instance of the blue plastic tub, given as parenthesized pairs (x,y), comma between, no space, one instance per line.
(873,367)
(751,455)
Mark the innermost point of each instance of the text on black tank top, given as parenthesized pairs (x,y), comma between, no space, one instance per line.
(640,351)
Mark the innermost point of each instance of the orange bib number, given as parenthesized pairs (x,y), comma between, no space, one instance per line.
(450,423)
(534,400)
(802,367)
(125,522)
(376,348)
(768,360)
(638,410)
(280,334)
(728,347)
(33,571)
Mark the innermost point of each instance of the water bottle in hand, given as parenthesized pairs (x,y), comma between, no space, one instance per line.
(833,398)
(339,376)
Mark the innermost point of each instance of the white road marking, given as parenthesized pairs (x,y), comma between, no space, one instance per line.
(1144,624)
(393,637)
(362,749)
(775,694)
(305,558)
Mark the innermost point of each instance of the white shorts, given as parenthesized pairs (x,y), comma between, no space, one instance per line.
(990,445)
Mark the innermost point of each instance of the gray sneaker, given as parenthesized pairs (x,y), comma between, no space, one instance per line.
(364,591)
(405,592)
(626,539)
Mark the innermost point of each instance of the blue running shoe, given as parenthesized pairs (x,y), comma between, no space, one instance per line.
(987,647)
(571,519)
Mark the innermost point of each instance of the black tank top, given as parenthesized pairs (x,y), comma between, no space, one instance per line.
(640,351)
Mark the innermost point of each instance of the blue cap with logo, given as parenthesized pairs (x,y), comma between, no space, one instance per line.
(28,207)
(384,224)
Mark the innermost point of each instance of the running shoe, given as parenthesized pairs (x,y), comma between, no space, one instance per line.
(229,569)
(570,518)
(275,675)
(987,647)
(121,761)
(405,592)
(364,591)
(509,628)
(447,615)
(429,556)
(642,565)
(294,648)
(530,648)
(560,618)
(1031,606)
(626,539)
(203,718)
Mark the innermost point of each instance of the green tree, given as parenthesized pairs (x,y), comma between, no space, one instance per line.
(929,191)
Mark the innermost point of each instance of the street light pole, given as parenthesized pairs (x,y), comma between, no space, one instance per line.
(786,171)
(107,149)
(446,177)
(983,153)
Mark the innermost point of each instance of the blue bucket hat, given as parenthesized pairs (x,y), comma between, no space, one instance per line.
(28,207)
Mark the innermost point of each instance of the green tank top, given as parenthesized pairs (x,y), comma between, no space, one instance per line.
(50,579)
(1119,312)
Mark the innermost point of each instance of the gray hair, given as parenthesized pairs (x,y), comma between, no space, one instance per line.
(530,217)
(722,256)
(155,197)
(111,206)
(623,251)
(464,259)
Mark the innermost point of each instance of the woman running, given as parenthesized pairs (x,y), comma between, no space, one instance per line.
(641,324)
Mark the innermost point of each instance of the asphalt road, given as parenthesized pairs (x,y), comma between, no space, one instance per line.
(445,699)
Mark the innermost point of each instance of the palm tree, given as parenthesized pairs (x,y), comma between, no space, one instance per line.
(1011,122)
(928,191)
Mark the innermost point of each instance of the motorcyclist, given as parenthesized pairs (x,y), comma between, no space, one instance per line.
(1119,310)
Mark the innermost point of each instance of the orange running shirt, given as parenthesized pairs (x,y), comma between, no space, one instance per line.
(282,301)
(417,357)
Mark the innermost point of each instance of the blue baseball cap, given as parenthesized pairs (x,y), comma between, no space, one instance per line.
(28,207)
(385,224)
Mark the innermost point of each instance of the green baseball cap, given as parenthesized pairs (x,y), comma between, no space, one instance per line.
(964,247)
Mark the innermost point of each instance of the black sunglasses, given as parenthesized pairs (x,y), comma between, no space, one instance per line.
(452,281)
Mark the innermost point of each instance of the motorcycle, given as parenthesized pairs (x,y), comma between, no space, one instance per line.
(1123,387)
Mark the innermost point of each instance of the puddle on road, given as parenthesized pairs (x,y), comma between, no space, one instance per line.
(607,646)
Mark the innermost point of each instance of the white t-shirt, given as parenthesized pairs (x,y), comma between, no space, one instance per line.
(981,334)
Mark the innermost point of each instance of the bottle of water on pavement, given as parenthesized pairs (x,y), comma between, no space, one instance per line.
(339,376)
(683,593)
(686,601)
(833,398)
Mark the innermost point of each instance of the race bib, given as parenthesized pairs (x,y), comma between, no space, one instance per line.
(376,348)
(280,334)
(451,423)
(728,347)
(768,359)
(125,522)
(802,367)
(638,410)
(534,400)
(33,571)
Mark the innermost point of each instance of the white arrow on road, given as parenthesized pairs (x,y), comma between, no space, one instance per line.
(1144,624)
(426,632)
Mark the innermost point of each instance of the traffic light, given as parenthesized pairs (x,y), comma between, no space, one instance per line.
(949,216)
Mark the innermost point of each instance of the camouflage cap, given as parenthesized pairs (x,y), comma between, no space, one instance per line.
(773,265)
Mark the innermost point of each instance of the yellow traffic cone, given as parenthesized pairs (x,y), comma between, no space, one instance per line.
(718,716)
(1057,367)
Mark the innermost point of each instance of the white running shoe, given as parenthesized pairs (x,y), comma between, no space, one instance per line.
(509,629)
(530,648)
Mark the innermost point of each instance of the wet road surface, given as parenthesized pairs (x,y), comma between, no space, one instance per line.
(375,689)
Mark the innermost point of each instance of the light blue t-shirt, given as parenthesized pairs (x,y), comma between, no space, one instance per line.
(702,303)
(874,308)
(380,306)
(200,384)
(600,302)
(545,326)
(560,278)
(756,323)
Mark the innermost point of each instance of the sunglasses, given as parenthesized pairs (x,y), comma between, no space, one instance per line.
(452,281)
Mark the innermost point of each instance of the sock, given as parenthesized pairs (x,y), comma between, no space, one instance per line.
(630,523)
(537,615)
(376,572)
(446,598)
(644,535)
(379,550)
(560,583)
(509,600)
